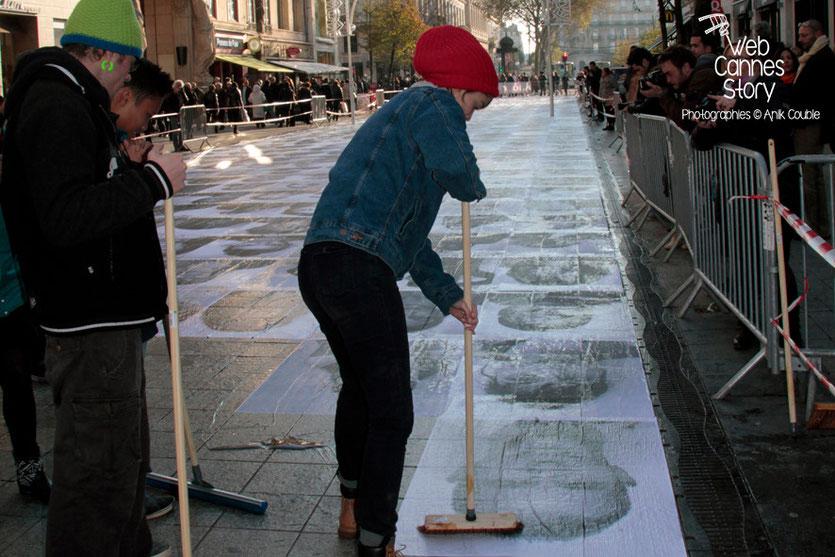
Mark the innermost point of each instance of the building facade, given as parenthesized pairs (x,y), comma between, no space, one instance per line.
(28,25)
(612,23)
(196,40)
(462,13)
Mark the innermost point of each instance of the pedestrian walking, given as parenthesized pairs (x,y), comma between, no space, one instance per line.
(235,111)
(80,219)
(369,228)
(256,98)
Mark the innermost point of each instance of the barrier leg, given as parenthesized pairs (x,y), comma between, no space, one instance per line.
(679,291)
(810,395)
(664,241)
(672,250)
(644,211)
(686,306)
(643,219)
(628,194)
(720,394)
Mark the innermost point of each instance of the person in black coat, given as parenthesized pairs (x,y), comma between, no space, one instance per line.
(172,105)
(338,95)
(235,108)
(812,91)
(210,101)
(304,93)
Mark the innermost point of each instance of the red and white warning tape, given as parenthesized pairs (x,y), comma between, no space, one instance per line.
(826,251)
(796,349)
(809,236)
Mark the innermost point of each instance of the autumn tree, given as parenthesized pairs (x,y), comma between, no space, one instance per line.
(651,36)
(389,30)
(535,14)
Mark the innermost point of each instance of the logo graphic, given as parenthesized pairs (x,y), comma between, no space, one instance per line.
(719,22)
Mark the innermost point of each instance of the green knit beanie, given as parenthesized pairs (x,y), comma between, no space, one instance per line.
(107,24)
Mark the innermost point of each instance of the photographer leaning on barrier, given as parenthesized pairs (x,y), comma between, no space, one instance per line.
(685,88)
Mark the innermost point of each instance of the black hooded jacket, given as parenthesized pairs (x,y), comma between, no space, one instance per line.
(79,214)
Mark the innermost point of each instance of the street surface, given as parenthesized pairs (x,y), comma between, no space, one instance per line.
(566,435)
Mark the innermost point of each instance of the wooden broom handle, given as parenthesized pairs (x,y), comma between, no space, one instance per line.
(781,270)
(468,360)
(176,378)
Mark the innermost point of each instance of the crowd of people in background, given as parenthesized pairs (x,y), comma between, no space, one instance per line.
(538,82)
(698,85)
(231,102)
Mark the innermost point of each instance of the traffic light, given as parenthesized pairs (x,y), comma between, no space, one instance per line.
(564,56)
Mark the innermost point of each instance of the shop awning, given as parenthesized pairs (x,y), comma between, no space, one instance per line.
(250,62)
(310,68)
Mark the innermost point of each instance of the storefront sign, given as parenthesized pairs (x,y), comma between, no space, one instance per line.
(285,50)
(229,42)
(15,6)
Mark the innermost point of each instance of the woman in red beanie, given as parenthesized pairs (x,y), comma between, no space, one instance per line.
(370,227)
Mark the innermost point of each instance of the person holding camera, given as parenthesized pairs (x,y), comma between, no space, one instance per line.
(682,85)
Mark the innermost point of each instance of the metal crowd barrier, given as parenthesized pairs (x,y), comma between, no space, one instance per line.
(618,126)
(733,244)
(817,316)
(634,159)
(603,103)
(657,187)
(318,109)
(193,125)
(678,142)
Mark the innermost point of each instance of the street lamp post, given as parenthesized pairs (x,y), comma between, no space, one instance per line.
(560,15)
(339,28)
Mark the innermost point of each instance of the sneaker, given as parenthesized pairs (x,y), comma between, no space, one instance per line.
(160,550)
(156,507)
(32,480)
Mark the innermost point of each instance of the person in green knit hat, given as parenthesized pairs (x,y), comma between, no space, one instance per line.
(80,221)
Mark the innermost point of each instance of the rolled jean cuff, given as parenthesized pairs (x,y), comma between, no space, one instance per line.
(372,539)
(348,488)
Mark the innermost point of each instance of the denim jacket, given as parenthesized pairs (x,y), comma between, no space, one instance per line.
(385,190)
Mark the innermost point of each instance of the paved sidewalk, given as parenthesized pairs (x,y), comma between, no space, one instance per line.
(567,435)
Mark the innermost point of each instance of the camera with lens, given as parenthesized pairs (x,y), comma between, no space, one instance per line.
(707,104)
(655,77)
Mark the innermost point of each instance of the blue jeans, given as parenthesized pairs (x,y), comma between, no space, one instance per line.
(355,299)
(102,445)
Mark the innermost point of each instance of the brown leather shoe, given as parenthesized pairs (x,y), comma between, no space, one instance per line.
(347,520)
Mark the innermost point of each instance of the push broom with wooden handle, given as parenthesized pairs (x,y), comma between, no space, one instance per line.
(469,522)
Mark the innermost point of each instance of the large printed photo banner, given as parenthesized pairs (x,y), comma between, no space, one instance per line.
(515,88)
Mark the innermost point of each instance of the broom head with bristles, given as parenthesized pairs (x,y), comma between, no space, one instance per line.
(823,416)
(486,523)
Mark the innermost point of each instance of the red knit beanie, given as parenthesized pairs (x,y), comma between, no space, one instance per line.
(449,56)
